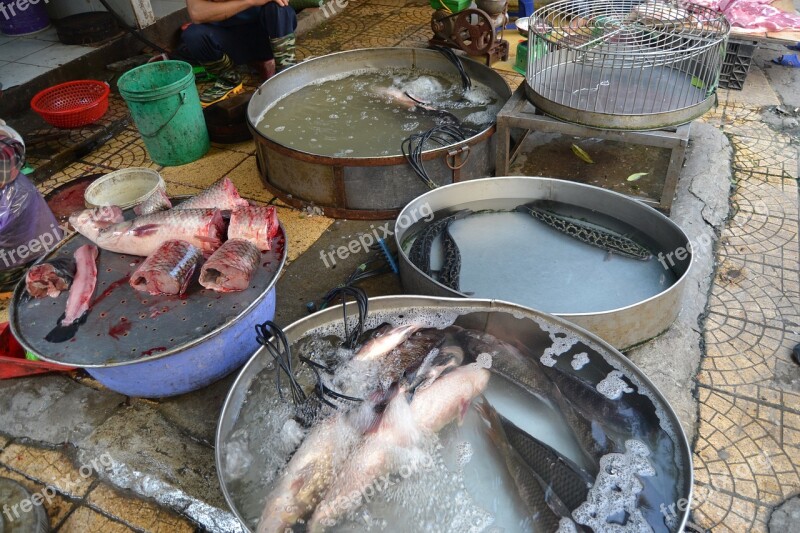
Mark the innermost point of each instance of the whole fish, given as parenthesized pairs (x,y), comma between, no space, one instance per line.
(399,435)
(231,267)
(313,466)
(221,195)
(531,487)
(409,355)
(566,479)
(588,233)
(526,372)
(168,270)
(446,357)
(49,278)
(420,252)
(407,101)
(158,201)
(82,290)
(204,228)
(257,224)
(451,268)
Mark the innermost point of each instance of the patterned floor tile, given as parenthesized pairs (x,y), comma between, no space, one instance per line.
(248,181)
(56,505)
(135,512)
(50,467)
(206,170)
(85,520)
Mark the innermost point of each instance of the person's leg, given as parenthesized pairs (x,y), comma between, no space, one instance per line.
(218,49)
(279,23)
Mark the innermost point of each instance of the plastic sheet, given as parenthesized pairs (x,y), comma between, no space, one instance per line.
(28,229)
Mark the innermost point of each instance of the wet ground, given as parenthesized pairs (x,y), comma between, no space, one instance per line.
(122,464)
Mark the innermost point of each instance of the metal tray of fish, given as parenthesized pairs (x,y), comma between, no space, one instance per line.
(466,483)
(127,326)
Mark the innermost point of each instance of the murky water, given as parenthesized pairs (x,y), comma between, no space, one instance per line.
(514,257)
(369,113)
(459,481)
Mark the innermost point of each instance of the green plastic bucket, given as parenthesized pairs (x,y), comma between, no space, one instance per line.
(166,109)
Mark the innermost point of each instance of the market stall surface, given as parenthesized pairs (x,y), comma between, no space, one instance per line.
(124,464)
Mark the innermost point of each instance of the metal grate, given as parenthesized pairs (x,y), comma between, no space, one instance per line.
(623,63)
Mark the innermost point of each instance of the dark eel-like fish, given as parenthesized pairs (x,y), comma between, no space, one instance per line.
(451,268)
(420,252)
(588,233)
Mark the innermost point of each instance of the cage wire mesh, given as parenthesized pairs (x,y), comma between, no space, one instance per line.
(625,64)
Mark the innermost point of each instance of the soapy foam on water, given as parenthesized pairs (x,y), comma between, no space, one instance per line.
(562,342)
(613,386)
(616,491)
(580,360)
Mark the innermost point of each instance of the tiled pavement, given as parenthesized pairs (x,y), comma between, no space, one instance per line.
(747,453)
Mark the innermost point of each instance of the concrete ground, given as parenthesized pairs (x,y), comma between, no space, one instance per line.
(122,464)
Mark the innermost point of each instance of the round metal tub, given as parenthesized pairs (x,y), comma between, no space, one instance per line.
(622,327)
(151,346)
(365,187)
(522,327)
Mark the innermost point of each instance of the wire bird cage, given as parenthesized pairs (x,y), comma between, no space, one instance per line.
(625,64)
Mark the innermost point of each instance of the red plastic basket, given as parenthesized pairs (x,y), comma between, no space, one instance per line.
(72,104)
(12,358)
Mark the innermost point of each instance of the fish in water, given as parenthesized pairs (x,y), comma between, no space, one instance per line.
(82,290)
(567,480)
(407,101)
(400,436)
(588,233)
(383,340)
(257,224)
(50,278)
(158,201)
(231,267)
(204,228)
(451,268)
(420,252)
(526,372)
(545,510)
(313,466)
(221,195)
(168,270)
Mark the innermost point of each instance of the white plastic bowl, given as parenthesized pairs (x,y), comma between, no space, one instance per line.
(125,188)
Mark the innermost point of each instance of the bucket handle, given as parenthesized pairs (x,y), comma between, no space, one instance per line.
(182,96)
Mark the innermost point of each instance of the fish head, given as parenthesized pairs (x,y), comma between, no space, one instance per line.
(384,343)
(90,222)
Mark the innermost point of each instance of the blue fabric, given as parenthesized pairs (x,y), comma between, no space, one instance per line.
(244,37)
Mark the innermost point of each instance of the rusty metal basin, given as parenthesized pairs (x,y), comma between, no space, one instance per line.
(370,188)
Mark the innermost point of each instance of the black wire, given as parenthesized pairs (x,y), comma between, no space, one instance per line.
(413,146)
(451,56)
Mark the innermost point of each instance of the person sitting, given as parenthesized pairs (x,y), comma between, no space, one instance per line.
(226,33)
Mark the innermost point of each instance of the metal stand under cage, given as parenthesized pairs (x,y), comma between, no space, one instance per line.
(518,113)
(625,64)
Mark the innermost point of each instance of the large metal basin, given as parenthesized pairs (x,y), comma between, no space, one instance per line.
(523,327)
(365,187)
(621,327)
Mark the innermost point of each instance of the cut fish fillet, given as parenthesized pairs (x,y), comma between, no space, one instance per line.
(168,270)
(231,267)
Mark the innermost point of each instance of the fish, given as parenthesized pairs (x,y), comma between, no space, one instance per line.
(409,355)
(588,233)
(420,252)
(405,100)
(158,201)
(222,195)
(82,290)
(525,371)
(401,433)
(384,340)
(446,357)
(90,222)
(567,480)
(204,228)
(168,270)
(451,268)
(312,468)
(532,489)
(231,267)
(257,224)
(50,278)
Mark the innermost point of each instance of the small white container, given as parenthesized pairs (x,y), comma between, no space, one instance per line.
(125,188)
